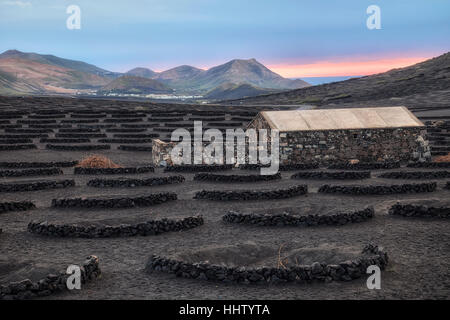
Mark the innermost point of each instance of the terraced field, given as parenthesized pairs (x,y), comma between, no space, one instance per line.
(186,234)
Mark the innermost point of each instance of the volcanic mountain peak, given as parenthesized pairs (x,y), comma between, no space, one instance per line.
(245,71)
(179,73)
(142,72)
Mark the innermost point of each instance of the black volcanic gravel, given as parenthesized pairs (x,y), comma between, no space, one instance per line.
(418,249)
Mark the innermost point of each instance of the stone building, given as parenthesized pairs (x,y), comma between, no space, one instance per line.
(340,135)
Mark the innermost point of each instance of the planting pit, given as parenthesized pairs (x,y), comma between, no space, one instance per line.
(252,263)
(252,255)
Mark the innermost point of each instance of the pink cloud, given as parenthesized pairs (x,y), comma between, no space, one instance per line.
(344,68)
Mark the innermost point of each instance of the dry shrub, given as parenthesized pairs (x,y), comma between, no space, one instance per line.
(97,161)
(445,158)
(281,262)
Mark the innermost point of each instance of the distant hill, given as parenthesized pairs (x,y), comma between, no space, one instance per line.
(142,72)
(179,77)
(23,76)
(233,91)
(59,62)
(404,85)
(244,71)
(135,85)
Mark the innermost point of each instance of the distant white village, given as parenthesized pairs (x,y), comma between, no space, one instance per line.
(148,96)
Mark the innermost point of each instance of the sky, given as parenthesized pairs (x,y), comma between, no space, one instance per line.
(295,38)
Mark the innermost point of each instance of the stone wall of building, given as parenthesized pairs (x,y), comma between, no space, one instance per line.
(367,145)
(334,146)
(161,152)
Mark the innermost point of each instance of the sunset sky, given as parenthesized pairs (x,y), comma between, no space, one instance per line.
(292,37)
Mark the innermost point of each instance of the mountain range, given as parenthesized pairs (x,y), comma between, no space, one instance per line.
(32,73)
(236,71)
(427,81)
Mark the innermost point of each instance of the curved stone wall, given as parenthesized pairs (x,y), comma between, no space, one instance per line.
(282,167)
(126,130)
(80,135)
(416,175)
(30,172)
(28,130)
(78,130)
(136,135)
(284,219)
(121,140)
(52,283)
(88,147)
(252,195)
(123,202)
(365,166)
(30,136)
(379,190)
(16,141)
(198,168)
(344,271)
(132,183)
(13,147)
(35,186)
(19,165)
(152,227)
(134,148)
(325,175)
(235,177)
(16,206)
(129,170)
(429,165)
(411,210)
(64,140)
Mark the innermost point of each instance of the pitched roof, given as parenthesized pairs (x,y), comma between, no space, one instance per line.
(338,119)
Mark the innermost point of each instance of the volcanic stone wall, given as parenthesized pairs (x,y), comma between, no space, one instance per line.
(90,147)
(52,283)
(282,167)
(379,189)
(340,175)
(31,172)
(345,271)
(16,206)
(416,175)
(152,227)
(429,165)
(131,183)
(235,177)
(410,210)
(19,165)
(365,165)
(35,186)
(130,170)
(252,195)
(197,168)
(299,221)
(124,202)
